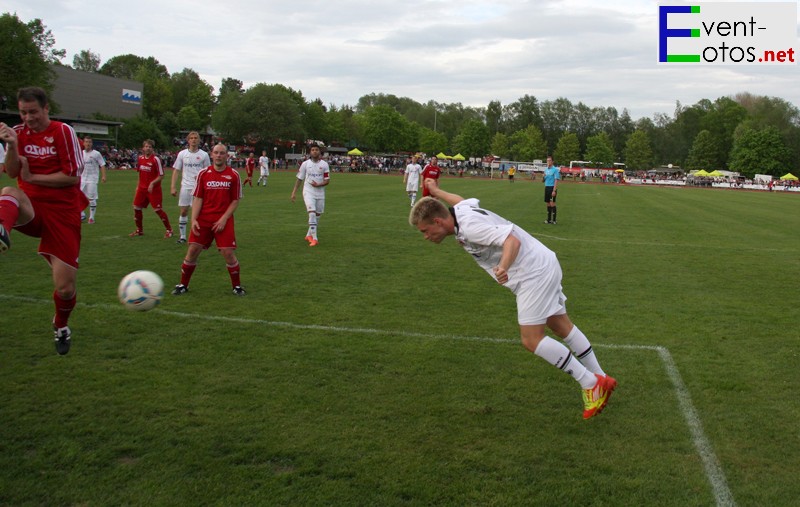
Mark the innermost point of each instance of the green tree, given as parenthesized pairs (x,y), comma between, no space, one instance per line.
(314,120)
(386,130)
(556,119)
(341,126)
(229,85)
(157,92)
(45,41)
(201,100)
(494,116)
(188,119)
(473,140)
(568,148)
(638,153)
(261,114)
(86,61)
(704,153)
(431,142)
(600,150)
(182,84)
(21,62)
(759,152)
(127,66)
(521,113)
(168,124)
(528,144)
(137,129)
(500,146)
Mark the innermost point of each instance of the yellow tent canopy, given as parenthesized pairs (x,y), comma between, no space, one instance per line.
(441,155)
(356,152)
(789,176)
(715,173)
(701,172)
(458,156)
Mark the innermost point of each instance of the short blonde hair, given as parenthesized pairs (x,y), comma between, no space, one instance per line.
(426,210)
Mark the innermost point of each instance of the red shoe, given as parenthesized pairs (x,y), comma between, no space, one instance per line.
(168,234)
(309,239)
(313,242)
(137,232)
(596,398)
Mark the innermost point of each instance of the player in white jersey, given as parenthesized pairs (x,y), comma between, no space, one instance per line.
(263,165)
(189,163)
(411,178)
(315,174)
(531,271)
(94,171)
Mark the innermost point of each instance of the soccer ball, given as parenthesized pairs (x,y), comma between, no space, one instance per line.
(141,290)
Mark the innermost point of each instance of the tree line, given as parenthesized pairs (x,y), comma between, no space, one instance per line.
(746,133)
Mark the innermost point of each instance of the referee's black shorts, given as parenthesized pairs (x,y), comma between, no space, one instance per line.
(548,194)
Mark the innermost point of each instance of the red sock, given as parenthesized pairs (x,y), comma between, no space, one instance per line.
(9,211)
(234,272)
(137,217)
(164,218)
(186,273)
(63,308)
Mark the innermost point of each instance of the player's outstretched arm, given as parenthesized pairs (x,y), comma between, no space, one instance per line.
(433,187)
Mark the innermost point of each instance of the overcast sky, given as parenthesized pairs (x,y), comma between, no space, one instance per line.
(468,51)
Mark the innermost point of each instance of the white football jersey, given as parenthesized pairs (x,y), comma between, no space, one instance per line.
(92,162)
(413,171)
(190,164)
(482,234)
(313,171)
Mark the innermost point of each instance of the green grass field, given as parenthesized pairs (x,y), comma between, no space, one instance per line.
(380,369)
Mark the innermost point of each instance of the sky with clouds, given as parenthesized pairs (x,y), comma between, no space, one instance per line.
(468,51)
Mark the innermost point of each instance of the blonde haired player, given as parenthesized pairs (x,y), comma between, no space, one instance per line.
(411,178)
(94,171)
(531,271)
(314,173)
(263,164)
(189,163)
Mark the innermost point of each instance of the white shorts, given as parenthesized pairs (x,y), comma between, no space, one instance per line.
(185,196)
(412,186)
(89,189)
(264,171)
(315,204)
(540,298)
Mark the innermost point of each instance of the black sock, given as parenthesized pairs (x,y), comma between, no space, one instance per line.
(549,213)
(554,213)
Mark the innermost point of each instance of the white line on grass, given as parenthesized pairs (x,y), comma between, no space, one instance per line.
(714,473)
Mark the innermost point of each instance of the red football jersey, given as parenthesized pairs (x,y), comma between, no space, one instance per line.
(149,169)
(218,189)
(55,149)
(431,172)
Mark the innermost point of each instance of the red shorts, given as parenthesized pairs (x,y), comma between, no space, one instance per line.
(59,230)
(143,198)
(226,238)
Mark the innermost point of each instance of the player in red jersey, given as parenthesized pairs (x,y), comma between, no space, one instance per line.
(432,172)
(148,191)
(249,166)
(216,197)
(46,158)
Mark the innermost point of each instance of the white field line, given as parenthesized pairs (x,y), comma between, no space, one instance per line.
(714,473)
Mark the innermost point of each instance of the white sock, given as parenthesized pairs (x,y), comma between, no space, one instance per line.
(559,356)
(313,219)
(582,349)
(182,221)
(92,210)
